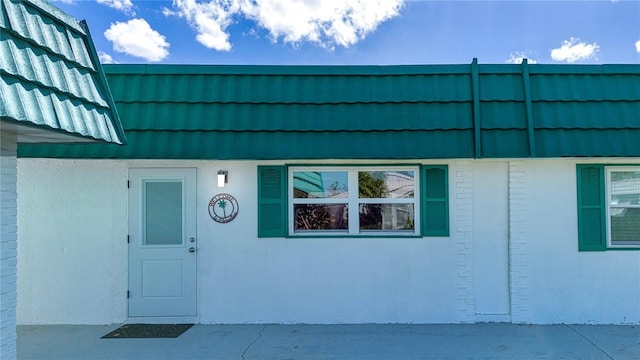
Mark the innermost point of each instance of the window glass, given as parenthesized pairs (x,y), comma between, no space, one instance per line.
(386,184)
(321,217)
(387,217)
(625,226)
(320,184)
(625,188)
(163,213)
(383,200)
(624,206)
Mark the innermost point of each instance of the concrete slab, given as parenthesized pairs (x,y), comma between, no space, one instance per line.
(473,341)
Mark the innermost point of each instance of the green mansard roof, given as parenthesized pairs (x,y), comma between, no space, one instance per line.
(370,112)
(51,77)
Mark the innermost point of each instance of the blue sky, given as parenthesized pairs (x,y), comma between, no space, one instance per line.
(378,32)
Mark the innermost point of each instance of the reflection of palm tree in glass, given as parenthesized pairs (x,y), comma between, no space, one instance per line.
(320,217)
(223,205)
(313,216)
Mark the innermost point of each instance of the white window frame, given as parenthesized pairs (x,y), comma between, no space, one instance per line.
(353,201)
(609,205)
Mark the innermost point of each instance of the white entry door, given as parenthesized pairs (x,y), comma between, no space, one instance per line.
(162,243)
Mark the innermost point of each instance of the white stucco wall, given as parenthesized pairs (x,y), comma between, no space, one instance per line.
(73,254)
(563,284)
(73,219)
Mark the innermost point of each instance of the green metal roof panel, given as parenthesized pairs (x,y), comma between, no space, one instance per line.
(54,111)
(253,145)
(30,21)
(288,89)
(586,115)
(51,76)
(502,115)
(590,142)
(38,66)
(501,87)
(585,87)
(296,117)
(498,142)
(370,112)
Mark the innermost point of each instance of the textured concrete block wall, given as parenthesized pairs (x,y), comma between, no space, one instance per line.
(8,236)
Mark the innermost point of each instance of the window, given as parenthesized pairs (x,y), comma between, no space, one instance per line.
(352,201)
(623,206)
(608,207)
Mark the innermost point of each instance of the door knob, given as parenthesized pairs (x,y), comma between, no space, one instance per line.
(192,249)
(191,239)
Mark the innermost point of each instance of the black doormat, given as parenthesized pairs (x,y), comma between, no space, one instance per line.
(148,331)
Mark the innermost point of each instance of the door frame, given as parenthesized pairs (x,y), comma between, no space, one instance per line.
(191,191)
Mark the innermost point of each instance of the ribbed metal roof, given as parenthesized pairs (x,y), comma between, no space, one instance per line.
(370,112)
(51,76)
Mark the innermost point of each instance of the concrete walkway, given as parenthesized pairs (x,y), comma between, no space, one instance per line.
(370,342)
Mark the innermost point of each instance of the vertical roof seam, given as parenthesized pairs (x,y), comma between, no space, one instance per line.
(475,94)
(528,108)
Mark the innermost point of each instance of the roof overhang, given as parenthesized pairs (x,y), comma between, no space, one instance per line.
(26,134)
(51,77)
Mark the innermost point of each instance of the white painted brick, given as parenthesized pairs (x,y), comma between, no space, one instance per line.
(464,240)
(517,242)
(8,229)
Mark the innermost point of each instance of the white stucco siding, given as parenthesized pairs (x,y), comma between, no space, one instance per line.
(76,215)
(72,246)
(329,281)
(245,279)
(490,220)
(563,284)
(72,253)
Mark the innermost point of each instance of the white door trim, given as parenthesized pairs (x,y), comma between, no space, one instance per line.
(160,308)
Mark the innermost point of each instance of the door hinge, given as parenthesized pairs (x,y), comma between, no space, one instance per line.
(128,239)
(128,184)
(128,294)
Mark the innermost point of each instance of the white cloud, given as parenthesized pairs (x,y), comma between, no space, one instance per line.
(208,19)
(324,22)
(573,50)
(123,5)
(518,56)
(106,58)
(638,46)
(136,38)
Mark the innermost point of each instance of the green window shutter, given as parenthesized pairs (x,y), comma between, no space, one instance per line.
(435,200)
(272,201)
(591,208)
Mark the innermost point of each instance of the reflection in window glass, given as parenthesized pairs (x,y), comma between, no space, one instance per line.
(625,226)
(625,188)
(320,184)
(321,217)
(382,200)
(386,184)
(624,207)
(386,217)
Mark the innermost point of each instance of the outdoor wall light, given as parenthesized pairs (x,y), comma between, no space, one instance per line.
(222,177)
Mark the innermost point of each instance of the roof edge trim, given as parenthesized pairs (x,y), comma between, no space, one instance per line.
(365,70)
(117,124)
(6,119)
